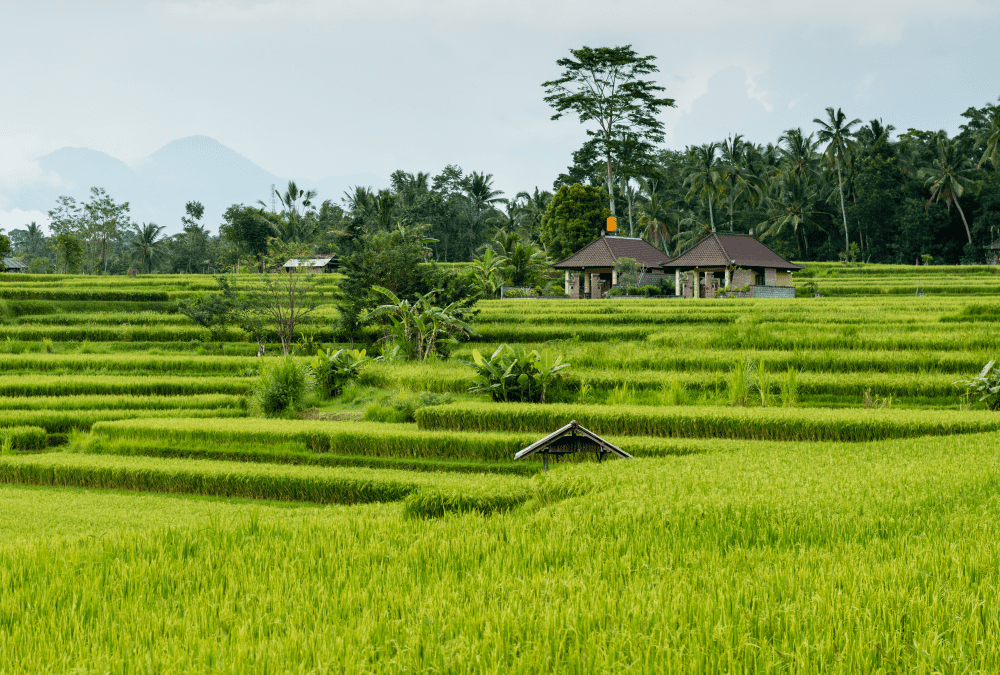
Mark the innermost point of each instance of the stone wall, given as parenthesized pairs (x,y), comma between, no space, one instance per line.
(783,279)
(742,278)
(772,292)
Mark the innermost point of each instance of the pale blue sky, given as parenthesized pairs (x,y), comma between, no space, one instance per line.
(313,89)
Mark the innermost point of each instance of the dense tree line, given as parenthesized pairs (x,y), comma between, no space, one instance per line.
(839,189)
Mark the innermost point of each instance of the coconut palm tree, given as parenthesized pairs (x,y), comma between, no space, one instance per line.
(704,176)
(145,242)
(532,207)
(991,138)
(949,176)
(657,223)
(793,206)
(738,174)
(479,189)
(835,131)
(797,153)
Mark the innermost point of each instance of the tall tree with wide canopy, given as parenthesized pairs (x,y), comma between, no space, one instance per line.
(949,176)
(604,85)
(835,131)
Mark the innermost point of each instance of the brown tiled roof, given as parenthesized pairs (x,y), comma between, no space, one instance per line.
(605,252)
(722,250)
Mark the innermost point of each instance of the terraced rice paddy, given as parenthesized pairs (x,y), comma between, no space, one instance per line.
(148,523)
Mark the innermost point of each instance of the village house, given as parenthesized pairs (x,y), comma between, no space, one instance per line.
(595,263)
(734,261)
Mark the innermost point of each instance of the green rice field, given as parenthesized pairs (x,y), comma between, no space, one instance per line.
(839,516)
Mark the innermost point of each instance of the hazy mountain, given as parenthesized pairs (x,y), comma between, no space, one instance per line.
(196,168)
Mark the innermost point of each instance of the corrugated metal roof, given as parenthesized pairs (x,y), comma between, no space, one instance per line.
(308,262)
(13,263)
(605,252)
(722,250)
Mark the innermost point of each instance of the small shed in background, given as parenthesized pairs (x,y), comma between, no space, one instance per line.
(571,439)
(14,265)
(317,263)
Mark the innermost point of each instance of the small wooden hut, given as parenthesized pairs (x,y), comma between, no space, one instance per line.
(571,439)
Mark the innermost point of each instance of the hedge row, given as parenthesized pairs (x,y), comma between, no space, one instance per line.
(784,424)
(30,292)
(64,421)
(131,363)
(127,402)
(341,485)
(223,479)
(290,453)
(359,438)
(134,385)
(25,438)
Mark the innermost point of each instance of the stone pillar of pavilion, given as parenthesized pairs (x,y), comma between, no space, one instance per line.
(695,284)
(677,283)
(728,279)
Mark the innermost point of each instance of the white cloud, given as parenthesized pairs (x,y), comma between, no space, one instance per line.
(16,219)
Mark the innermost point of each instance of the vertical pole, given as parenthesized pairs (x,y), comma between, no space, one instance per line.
(677,282)
(695,283)
(545,461)
(728,278)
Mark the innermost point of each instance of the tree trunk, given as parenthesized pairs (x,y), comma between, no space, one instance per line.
(611,190)
(964,222)
(843,211)
(711,216)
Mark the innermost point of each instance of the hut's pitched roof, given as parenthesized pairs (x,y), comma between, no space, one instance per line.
(605,252)
(722,250)
(14,264)
(574,429)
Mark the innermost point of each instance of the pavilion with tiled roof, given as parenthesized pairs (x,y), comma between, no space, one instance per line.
(731,261)
(995,252)
(596,262)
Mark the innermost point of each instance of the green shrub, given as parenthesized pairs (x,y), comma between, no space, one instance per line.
(282,387)
(516,374)
(986,386)
(403,406)
(334,370)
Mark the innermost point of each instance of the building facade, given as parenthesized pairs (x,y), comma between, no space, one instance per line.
(732,264)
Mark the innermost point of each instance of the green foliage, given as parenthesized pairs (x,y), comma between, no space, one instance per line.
(986,386)
(210,311)
(516,374)
(281,388)
(402,407)
(628,271)
(420,329)
(574,218)
(335,370)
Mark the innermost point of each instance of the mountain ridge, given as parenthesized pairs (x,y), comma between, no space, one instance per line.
(193,168)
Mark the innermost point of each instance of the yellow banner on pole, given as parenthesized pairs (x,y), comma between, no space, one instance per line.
(612,223)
